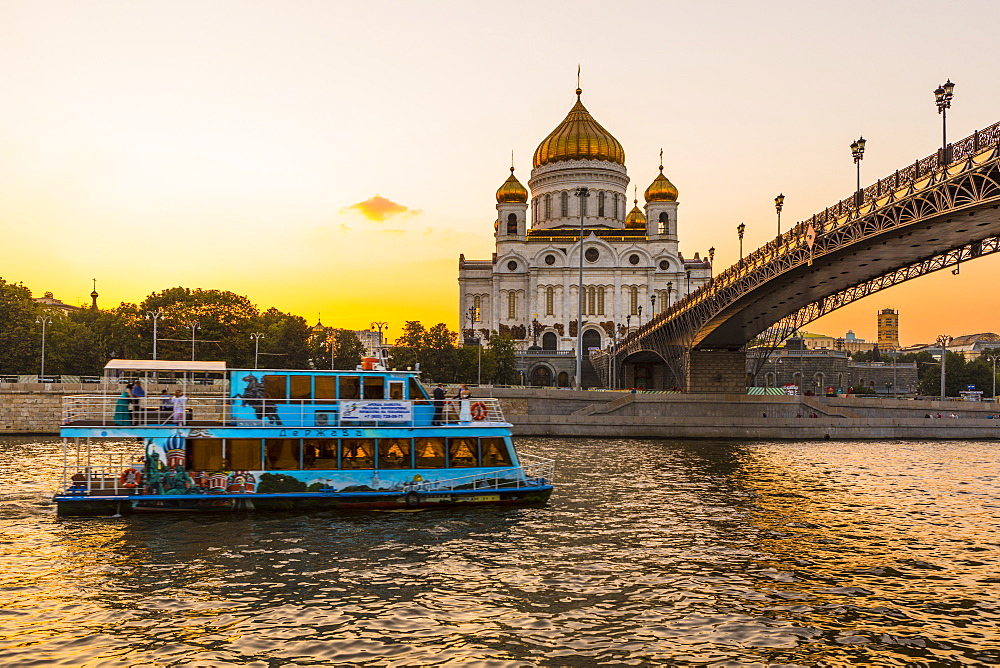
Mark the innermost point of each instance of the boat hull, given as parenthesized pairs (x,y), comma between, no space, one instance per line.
(91,506)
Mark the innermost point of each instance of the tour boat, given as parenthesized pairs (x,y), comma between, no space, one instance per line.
(251,439)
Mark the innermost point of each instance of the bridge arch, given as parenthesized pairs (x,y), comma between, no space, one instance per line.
(647,370)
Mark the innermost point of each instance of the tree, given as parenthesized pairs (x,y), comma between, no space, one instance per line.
(438,357)
(405,354)
(348,349)
(18,312)
(504,359)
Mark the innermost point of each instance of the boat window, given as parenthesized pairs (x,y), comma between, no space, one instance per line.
(374,388)
(204,454)
(417,392)
(462,453)
(301,387)
(495,452)
(430,453)
(243,454)
(319,453)
(395,389)
(350,387)
(394,453)
(326,387)
(357,453)
(281,454)
(274,387)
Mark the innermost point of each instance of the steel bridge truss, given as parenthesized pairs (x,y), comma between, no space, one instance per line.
(965,177)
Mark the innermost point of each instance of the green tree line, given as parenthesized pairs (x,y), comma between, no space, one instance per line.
(81,342)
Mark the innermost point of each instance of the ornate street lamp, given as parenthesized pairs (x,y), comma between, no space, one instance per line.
(670,288)
(256,336)
(534,330)
(652,302)
(583,194)
(628,324)
(779,202)
(943,341)
(858,151)
(688,272)
(154,316)
(942,98)
(43,320)
(640,315)
(711,255)
(740,229)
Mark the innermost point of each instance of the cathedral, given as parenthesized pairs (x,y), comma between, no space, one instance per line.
(632,268)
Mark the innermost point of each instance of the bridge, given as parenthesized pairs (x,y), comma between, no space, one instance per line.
(931,215)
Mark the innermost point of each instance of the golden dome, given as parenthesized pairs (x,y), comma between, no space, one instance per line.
(661,189)
(579,137)
(636,219)
(512,191)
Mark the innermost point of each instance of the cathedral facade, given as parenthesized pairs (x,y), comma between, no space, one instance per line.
(632,266)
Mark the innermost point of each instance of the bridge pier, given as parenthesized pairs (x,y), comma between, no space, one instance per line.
(716,371)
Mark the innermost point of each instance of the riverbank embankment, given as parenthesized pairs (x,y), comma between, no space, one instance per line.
(35,408)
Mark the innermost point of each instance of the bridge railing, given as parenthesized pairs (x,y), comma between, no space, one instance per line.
(831,218)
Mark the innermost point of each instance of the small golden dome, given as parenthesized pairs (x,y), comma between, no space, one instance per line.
(661,189)
(579,137)
(636,219)
(512,190)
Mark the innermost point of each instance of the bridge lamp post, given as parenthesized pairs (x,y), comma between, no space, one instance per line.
(858,152)
(688,272)
(583,193)
(943,341)
(154,316)
(652,303)
(640,316)
(256,336)
(43,320)
(942,98)
(628,325)
(779,202)
(670,288)
(740,229)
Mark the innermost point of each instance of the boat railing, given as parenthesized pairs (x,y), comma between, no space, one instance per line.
(532,472)
(109,410)
(119,476)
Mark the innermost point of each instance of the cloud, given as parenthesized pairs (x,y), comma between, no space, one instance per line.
(379,208)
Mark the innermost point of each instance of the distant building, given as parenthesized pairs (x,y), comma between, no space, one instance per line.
(969,346)
(50,301)
(374,343)
(848,343)
(819,370)
(888,329)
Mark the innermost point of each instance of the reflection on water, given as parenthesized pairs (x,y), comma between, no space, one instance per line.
(650,552)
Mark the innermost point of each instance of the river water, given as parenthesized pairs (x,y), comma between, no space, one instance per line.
(649,553)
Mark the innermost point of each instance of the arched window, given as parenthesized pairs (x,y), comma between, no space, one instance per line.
(549,341)
(512,224)
(550,298)
(477,303)
(662,228)
(600,204)
(541,376)
(565,204)
(548,207)
(591,296)
(511,305)
(614,196)
(591,339)
(534,210)
(600,301)
(634,301)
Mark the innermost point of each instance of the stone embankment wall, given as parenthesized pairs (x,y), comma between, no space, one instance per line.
(32,408)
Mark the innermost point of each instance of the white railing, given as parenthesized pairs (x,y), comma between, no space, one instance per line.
(107,410)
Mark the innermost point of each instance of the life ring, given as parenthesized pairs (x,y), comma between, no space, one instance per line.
(478,411)
(130,478)
(412,499)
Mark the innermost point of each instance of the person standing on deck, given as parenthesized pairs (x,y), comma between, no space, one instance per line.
(135,403)
(465,410)
(438,403)
(180,405)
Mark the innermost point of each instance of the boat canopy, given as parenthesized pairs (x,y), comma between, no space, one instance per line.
(165,365)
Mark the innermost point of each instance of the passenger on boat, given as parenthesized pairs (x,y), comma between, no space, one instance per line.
(135,404)
(122,415)
(166,402)
(179,404)
(438,403)
(465,410)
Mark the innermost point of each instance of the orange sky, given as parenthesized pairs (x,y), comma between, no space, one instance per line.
(335,158)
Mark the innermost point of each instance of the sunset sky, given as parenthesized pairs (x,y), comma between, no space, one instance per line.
(335,158)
